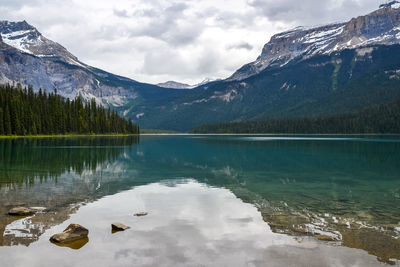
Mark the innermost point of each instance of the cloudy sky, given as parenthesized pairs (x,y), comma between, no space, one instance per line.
(158,40)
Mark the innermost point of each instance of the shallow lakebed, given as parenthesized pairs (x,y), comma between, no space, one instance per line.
(211,200)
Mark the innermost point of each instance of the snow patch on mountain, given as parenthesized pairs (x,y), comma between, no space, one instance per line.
(126,111)
(139,115)
(28,39)
(364,51)
(20,40)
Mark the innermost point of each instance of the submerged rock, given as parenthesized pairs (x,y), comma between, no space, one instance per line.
(142,213)
(21,211)
(276,225)
(37,209)
(325,237)
(119,227)
(71,233)
(301,230)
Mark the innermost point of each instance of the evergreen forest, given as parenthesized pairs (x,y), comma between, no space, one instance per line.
(24,112)
(377,119)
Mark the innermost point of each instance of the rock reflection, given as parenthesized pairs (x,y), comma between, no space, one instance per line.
(77,244)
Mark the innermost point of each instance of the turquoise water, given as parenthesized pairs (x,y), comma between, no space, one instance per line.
(271,195)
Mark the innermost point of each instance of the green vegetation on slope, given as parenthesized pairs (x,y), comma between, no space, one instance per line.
(376,119)
(23,112)
(305,87)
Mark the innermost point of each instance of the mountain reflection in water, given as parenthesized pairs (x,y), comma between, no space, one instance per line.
(346,189)
(189,224)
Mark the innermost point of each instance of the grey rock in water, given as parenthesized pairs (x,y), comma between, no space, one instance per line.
(142,213)
(71,233)
(37,209)
(325,238)
(119,227)
(21,211)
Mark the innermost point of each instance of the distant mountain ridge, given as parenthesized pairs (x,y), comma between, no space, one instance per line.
(175,85)
(178,85)
(380,27)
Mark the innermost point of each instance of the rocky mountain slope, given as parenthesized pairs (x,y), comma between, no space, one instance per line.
(29,58)
(379,27)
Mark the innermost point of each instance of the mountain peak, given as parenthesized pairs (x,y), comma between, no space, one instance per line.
(20,35)
(14,26)
(26,38)
(178,85)
(174,85)
(391,4)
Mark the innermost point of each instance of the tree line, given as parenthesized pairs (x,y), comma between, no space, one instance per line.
(24,112)
(379,119)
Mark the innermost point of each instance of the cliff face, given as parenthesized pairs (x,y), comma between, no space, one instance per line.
(380,21)
(379,27)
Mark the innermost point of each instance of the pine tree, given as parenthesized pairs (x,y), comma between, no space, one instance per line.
(1,122)
(7,121)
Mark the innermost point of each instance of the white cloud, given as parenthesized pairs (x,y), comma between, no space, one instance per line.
(158,40)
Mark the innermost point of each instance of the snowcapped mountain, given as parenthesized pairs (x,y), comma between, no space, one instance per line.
(380,27)
(28,39)
(29,58)
(175,85)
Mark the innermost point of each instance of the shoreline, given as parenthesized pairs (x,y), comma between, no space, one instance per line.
(64,135)
(275,134)
(188,134)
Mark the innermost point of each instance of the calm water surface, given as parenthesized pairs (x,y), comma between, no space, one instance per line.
(212,200)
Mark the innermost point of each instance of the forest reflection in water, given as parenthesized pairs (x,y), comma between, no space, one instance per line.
(56,173)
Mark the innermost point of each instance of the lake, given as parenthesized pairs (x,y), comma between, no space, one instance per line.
(211,200)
